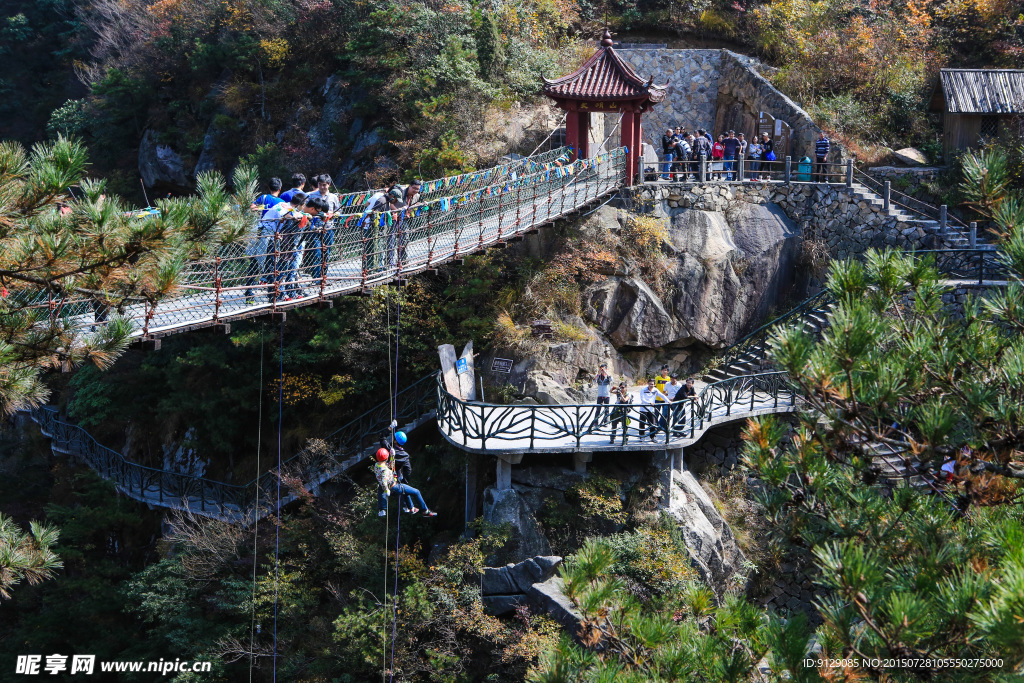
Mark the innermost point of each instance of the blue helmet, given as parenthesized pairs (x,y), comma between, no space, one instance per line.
(401,438)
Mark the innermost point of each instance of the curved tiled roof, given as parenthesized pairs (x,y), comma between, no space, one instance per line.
(605,76)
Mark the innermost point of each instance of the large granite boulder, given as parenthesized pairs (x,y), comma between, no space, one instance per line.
(506,506)
(549,597)
(707,535)
(726,271)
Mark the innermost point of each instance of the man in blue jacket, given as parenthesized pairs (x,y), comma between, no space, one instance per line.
(821,149)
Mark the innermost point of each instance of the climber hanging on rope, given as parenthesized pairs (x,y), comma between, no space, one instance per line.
(400,456)
(387,483)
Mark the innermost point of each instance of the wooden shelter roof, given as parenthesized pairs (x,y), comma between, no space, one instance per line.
(983,91)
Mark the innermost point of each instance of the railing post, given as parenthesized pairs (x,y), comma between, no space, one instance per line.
(739,168)
(789,170)
(974,235)
(533,424)
(886,196)
(323,258)
(276,291)
(216,284)
(849,172)
(579,427)
(942,219)
(703,169)
(483,427)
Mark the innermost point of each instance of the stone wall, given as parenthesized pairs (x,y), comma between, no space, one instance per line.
(743,93)
(720,447)
(915,182)
(841,217)
(692,78)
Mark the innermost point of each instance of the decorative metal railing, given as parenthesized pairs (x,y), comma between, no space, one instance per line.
(291,263)
(346,448)
(492,428)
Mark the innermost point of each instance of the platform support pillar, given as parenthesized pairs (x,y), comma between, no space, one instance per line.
(504,480)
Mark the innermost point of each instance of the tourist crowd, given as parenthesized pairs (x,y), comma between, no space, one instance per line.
(295,233)
(683,153)
(658,406)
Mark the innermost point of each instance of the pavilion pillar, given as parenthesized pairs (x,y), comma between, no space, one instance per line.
(572,131)
(636,150)
(628,121)
(582,145)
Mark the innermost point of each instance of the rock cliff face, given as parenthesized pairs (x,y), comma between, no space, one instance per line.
(726,270)
(727,264)
(707,535)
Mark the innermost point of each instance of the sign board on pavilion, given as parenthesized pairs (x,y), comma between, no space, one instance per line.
(501,365)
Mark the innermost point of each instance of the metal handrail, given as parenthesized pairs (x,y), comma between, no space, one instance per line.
(237,502)
(495,428)
(928,211)
(738,349)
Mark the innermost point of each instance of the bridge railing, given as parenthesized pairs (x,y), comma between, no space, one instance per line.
(295,262)
(744,169)
(493,427)
(237,502)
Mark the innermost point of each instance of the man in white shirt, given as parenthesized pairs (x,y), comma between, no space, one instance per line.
(672,390)
(648,411)
(318,250)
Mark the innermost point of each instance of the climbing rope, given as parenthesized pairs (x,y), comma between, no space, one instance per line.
(387,514)
(398,524)
(256,507)
(277,542)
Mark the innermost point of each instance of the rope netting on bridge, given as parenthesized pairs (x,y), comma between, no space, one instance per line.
(294,262)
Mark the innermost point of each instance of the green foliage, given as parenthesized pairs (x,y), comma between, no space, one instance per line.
(26,556)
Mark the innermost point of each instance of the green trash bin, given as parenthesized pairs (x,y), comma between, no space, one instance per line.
(803,170)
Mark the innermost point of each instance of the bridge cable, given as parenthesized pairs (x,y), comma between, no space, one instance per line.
(387,514)
(256,509)
(398,523)
(277,542)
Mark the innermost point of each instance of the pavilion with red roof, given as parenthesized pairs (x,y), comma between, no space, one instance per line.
(605,84)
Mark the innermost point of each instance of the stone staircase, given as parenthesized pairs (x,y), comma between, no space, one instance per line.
(955,236)
(750,355)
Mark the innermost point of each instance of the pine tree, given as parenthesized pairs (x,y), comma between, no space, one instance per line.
(65,259)
(25,556)
(909,566)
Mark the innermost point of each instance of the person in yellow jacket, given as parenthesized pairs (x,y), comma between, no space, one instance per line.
(660,382)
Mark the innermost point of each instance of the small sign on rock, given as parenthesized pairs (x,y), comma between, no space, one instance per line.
(501,365)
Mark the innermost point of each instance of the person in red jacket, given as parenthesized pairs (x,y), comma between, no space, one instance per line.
(717,154)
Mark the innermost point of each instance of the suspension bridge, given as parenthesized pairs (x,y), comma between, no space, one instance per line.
(356,251)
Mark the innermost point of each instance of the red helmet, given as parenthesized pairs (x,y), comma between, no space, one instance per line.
(382,454)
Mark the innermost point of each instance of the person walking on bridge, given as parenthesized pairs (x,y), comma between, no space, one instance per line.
(620,413)
(603,381)
(648,410)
